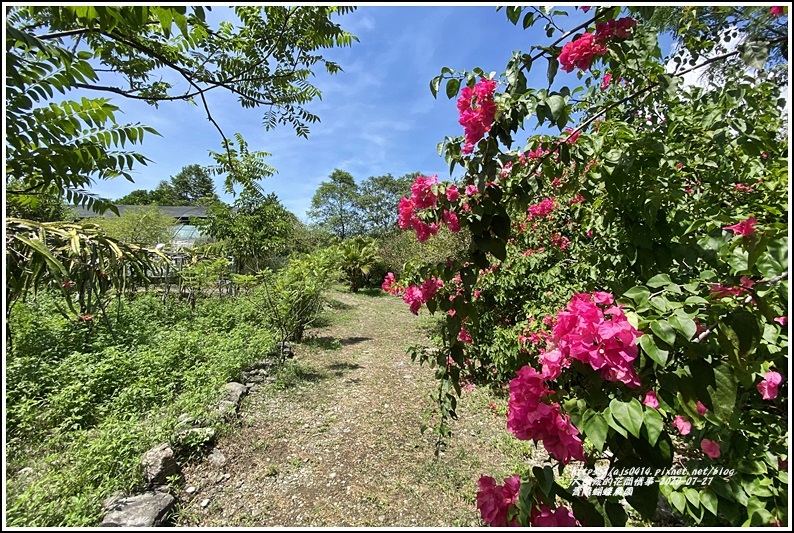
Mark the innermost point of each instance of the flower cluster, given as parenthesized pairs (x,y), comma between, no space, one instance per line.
(541,209)
(620,28)
(477,110)
(744,228)
(494,500)
(422,197)
(389,285)
(415,296)
(528,418)
(602,338)
(768,387)
(543,516)
(580,52)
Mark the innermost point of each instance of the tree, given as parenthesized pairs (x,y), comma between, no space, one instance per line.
(193,184)
(334,205)
(58,149)
(255,232)
(627,279)
(358,256)
(143,226)
(62,148)
(377,202)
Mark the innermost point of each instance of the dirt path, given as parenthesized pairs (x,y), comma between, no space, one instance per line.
(341,446)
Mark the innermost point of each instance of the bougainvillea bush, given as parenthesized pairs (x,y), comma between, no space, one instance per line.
(628,273)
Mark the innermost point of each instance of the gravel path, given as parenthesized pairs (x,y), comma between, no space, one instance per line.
(342,447)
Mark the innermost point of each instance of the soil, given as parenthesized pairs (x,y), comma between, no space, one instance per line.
(335,440)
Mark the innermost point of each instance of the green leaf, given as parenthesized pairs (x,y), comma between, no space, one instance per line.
(551,71)
(453,84)
(709,500)
(754,53)
(685,326)
(434,85)
(659,280)
(544,477)
(653,424)
(678,500)
(627,414)
(649,346)
(556,105)
(723,394)
(639,294)
(595,427)
(663,330)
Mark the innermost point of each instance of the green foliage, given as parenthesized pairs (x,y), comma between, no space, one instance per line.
(256,231)
(291,299)
(359,256)
(334,205)
(191,186)
(640,193)
(78,261)
(143,226)
(378,198)
(81,416)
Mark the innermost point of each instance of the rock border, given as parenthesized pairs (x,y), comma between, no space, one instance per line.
(154,506)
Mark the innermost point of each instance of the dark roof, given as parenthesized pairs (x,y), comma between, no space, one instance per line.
(176,211)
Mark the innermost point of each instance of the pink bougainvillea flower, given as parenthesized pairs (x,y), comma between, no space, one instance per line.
(651,400)
(452,193)
(768,387)
(702,409)
(494,500)
(86,318)
(710,448)
(413,297)
(585,9)
(68,284)
(471,190)
(580,52)
(464,336)
(721,291)
(782,320)
(451,219)
(543,516)
(572,135)
(682,425)
(620,28)
(541,209)
(422,194)
(477,110)
(744,228)
(742,187)
(777,10)
(605,81)
(389,284)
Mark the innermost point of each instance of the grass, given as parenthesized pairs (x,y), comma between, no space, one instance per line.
(81,409)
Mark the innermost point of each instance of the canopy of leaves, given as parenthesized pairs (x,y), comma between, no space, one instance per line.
(255,231)
(334,205)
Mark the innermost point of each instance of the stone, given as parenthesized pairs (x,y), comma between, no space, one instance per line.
(185,421)
(191,490)
(158,464)
(227,409)
(234,392)
(216,457)
(149,509)
(111,500)
(194,436)
(204,503)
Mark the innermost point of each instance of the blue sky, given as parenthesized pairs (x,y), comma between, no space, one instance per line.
(377,117)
